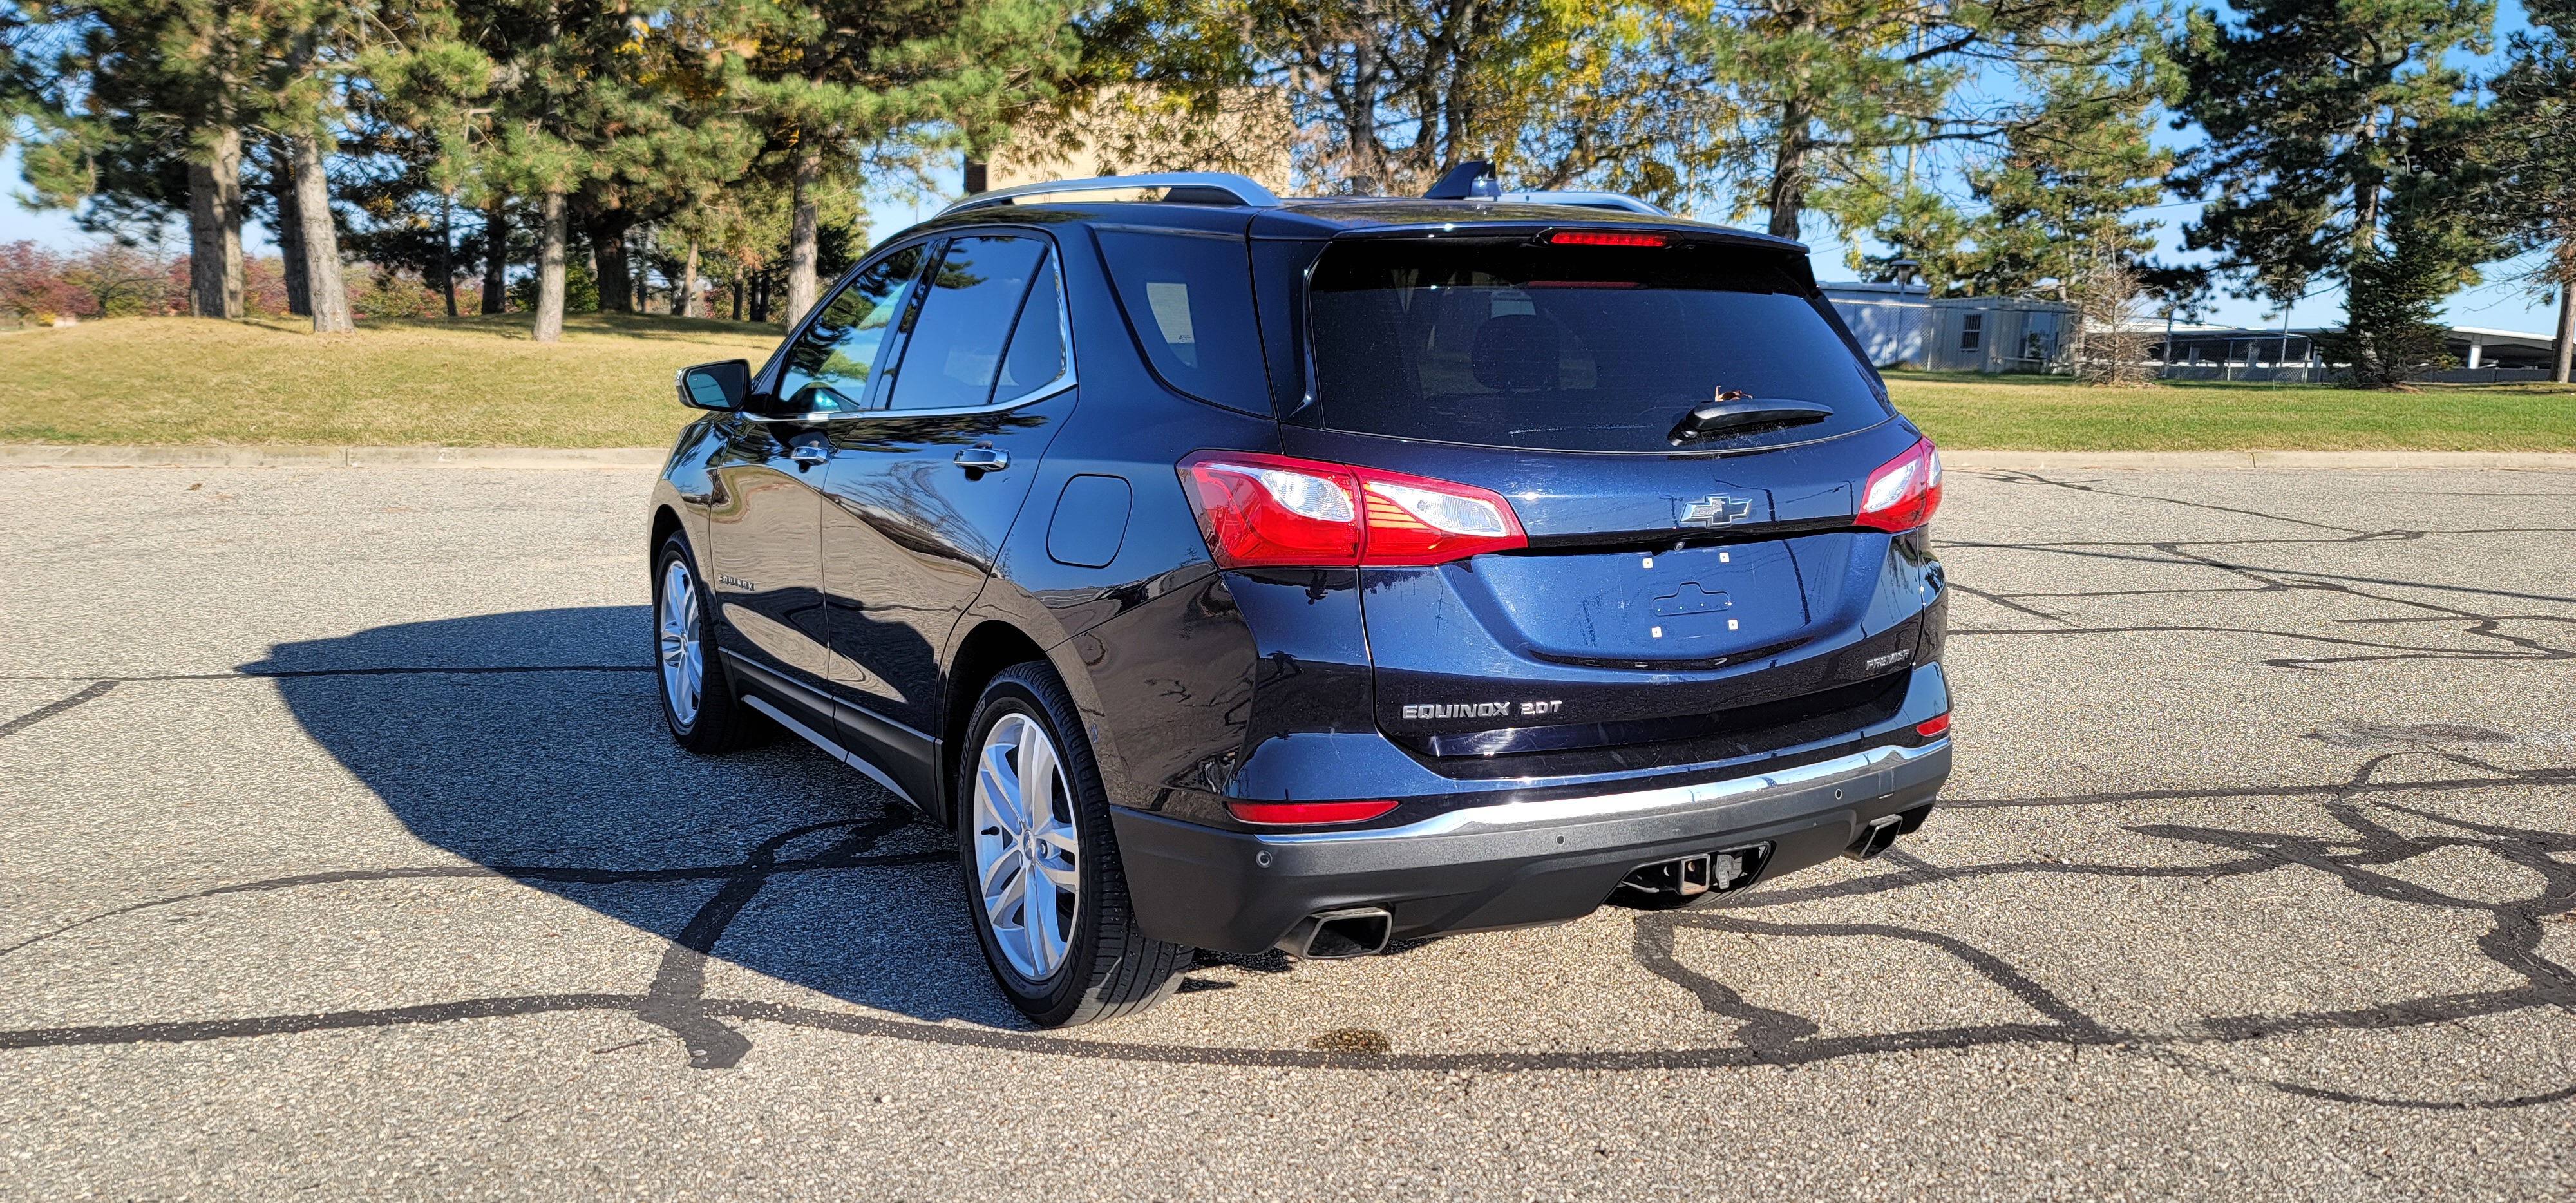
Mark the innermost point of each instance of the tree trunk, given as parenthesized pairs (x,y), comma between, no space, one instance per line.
(802,234)
(321,243)
(496,257)
(214,229)
(682,304)
(447,250)
(550,270)
(2560,363)
(1368,158)
(737,295)
(290,230)
(760,297)
(606,229)
(1787,194)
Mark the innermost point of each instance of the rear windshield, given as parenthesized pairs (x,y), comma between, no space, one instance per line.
(1570,348)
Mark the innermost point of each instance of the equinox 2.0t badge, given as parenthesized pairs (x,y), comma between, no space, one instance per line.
(1717,511)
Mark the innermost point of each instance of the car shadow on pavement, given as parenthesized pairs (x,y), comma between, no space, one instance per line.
(532,744)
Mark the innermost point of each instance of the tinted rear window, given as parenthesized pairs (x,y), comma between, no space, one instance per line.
(1569,348)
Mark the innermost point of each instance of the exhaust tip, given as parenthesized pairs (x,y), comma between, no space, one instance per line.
(1882,831)
(1356,931)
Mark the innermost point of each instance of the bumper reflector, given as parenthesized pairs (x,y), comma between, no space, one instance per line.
(1938,724)
(1283,814)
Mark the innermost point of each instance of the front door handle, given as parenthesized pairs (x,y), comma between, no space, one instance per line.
(983,459)
(809,454)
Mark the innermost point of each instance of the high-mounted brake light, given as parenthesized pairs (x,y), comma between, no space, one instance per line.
(1286,813)
(1261,511)
(1904,491)
(1604,238)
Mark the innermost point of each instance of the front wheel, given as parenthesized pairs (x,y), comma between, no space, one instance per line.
(1041,863)
(697,697)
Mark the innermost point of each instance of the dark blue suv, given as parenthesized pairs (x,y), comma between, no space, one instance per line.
(1233,572)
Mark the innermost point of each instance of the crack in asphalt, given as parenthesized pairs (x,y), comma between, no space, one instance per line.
(2359,858)
(96,690)
(676,1000)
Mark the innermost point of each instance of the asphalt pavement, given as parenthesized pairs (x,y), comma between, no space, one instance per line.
(342,852)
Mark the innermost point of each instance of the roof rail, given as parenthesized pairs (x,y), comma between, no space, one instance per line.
(1589,200)
(1243,189)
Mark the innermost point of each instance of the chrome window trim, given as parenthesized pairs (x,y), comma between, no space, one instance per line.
(1675,799)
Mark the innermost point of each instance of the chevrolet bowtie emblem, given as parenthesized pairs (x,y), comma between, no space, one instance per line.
(1717,511)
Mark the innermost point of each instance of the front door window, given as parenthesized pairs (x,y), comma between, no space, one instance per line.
(834,363)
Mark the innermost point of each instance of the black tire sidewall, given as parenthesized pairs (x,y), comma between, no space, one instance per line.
(1046,1002)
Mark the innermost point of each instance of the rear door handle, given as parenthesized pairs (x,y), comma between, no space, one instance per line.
(983,459)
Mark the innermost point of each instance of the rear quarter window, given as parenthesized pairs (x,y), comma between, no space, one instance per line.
(1572,348)
(1188,299)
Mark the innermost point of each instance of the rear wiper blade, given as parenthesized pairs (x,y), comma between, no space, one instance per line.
(1740,414)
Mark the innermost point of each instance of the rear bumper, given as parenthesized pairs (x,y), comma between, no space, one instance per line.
(1509,865)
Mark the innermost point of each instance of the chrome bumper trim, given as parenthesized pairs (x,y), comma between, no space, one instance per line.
(1676,798)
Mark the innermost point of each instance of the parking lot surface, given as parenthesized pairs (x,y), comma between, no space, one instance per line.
(344,853)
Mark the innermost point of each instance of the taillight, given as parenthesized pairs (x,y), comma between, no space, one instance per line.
(1259,510)
(1285,813)
(1273,511)
(1904,491)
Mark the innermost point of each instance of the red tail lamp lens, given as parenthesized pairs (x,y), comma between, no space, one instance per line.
(1904,491)
(1938,724)
(1269,510)
(1283,814)
(1604,238)
(1273,511)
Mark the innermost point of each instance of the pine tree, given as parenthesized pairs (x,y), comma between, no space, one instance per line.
(1821,93)
(837,81)
(136,91)
(2391,334)
(2533,153)
(602,114)
(150,88)
(2339,148)
(2057,201)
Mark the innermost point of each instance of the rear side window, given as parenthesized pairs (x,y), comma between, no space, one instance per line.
(1570,348)
(1036,357)
(1189,300)
(953,353)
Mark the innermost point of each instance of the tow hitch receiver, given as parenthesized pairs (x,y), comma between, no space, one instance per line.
(1675,882)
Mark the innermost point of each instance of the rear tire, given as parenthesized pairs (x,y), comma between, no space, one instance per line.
(1042,875)
(698,699)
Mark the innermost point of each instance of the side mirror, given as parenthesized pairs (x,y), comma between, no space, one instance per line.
(715,385)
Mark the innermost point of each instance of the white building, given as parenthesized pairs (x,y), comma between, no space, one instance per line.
(1886,318)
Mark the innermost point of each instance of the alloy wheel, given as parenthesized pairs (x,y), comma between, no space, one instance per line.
(682,655)
(1028,852)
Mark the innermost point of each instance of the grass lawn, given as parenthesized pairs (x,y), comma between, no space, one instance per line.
(479,381)
(2051,413)
(473,381)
